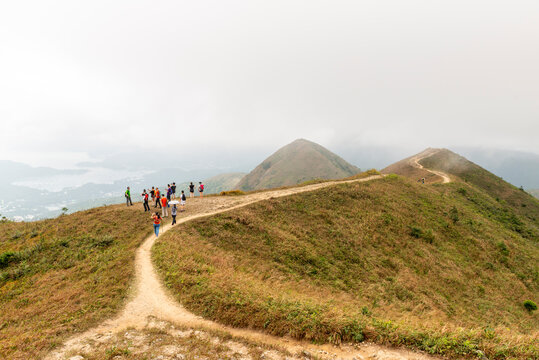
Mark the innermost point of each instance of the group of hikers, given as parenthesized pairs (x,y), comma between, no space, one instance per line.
(164,201)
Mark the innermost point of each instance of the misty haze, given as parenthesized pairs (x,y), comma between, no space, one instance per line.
(269,179)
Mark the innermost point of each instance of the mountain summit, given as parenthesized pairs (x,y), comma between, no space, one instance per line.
(299,161)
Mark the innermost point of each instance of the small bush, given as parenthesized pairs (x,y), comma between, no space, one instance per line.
(462,191)
(503,248)
(232,193)
(530,305)
(416,231)
(454,215)
(6,258)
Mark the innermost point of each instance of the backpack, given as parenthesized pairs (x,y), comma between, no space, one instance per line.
(183,197)
(202,187)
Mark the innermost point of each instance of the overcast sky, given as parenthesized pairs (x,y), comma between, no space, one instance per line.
(81,80)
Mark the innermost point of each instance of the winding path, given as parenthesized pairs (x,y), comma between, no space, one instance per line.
(151,299)
(425,154)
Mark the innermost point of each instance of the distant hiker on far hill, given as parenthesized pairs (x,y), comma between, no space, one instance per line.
(156,223)
(164,204)
(200,188)
(173,187)
(128,197)
(191,190)
(145,201)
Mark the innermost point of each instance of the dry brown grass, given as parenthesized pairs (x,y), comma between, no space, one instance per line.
(65,275)
(386,260)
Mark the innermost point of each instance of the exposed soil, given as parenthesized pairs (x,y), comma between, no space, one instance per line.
(150,303)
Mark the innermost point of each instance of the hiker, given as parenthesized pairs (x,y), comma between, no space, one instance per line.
(182,202)
(422,180)
(145,201)
(169,192)
(152,194)
(200,188)
(173,212)
(128,197)
(156,223)
(191,190)
(157,198)
(164,204)
(173,187)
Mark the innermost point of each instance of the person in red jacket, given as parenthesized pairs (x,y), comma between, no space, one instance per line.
(157,198)
(156,223)
(164,204)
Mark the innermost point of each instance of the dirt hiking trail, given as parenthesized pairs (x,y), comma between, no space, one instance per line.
(150,302)
(414,161)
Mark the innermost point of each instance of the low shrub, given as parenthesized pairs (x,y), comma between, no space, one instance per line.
(231,193)
(530,305)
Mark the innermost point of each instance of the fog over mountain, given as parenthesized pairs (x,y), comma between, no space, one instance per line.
(118,90)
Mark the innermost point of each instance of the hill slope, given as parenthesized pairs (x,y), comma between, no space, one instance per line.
(442,268)
(64,275)
(297,162)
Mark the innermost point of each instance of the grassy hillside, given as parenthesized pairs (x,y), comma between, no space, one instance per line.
(407,168)
(295,163)
(63,275)
(454,164)
(443,268)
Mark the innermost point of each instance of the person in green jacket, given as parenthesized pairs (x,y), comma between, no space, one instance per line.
(128,197)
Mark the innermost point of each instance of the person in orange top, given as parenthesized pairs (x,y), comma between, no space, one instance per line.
(156,223)
(157,198)
(164,206)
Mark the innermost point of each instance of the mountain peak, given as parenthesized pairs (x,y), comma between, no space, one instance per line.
(294,163)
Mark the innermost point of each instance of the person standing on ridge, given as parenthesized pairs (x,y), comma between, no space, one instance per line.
(169,192)
(191,190)
(164,206)
(182,202)
(173,187)
(157,198)
(145,201)
(156,223)
(152,194)
(200,188)
(173,212)
(128,197)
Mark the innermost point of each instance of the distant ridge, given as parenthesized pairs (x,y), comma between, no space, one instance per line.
(299,161)
(446,161)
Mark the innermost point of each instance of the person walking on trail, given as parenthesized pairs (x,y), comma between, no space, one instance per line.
(157,198)
(169,192)
(164,204)
(173,187)
(145,201)
(182,202)
(152,194)
(156,223)
(128,197)
(200,188)
(173,212)
(191,190)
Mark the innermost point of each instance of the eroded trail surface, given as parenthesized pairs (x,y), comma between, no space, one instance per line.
(165,330)
(425,154)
